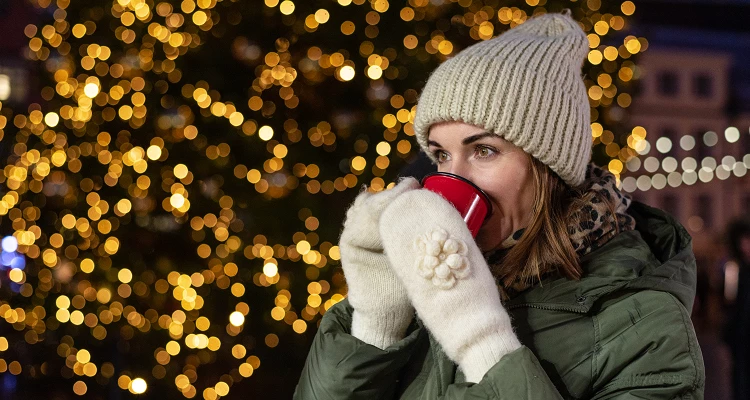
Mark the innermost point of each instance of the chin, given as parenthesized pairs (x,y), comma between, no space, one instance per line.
(485,241)
(490,238)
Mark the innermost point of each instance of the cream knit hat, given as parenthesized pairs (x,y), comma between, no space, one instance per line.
(525,85)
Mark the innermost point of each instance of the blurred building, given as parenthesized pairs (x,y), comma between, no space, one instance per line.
(693,99)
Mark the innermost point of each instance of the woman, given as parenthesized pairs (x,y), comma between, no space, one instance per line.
(569,290)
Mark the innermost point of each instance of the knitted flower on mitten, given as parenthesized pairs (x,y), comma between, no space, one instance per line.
(441,259)
(447,280)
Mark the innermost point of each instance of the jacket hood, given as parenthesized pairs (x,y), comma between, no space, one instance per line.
(656,255)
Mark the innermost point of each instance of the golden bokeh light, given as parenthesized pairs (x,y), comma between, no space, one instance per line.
(236,318)
(138,386)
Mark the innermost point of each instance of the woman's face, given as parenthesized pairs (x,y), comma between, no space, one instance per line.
(497,166)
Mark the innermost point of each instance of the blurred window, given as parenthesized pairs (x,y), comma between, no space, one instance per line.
(704,205)
(669,83)
(671,204)
(703,85)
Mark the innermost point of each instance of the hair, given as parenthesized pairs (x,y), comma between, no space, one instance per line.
(545,244)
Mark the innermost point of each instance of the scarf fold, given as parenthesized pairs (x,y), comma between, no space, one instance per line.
(588,228)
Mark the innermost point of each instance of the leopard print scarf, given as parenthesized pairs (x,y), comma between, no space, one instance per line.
(590,227)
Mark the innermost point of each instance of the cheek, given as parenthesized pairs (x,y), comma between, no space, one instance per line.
(508,188)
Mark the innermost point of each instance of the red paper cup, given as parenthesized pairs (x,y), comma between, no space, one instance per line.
(471,202)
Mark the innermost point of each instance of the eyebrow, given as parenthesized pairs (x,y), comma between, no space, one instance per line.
(467,140)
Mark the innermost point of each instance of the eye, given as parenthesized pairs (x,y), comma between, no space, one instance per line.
(484,151)
(441,156)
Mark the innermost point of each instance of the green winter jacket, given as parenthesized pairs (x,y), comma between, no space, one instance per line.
(622,331)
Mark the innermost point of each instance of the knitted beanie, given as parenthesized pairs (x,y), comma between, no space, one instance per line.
(524,85)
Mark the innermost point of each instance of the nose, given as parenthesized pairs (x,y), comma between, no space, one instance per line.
(460,168)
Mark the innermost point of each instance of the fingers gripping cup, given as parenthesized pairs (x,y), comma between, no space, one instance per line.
(470,201)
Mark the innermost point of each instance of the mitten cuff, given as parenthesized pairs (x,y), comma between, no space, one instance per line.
(480,356)
(382,330)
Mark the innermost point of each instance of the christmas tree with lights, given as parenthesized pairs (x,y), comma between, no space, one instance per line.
(170,210)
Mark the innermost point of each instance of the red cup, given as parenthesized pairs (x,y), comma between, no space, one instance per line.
(471,202)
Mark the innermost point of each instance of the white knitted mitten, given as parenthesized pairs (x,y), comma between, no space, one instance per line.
(448,281)
(382,311)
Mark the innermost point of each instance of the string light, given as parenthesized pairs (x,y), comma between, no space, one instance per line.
(709,170)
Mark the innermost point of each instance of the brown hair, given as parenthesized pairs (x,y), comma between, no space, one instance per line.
(545,244)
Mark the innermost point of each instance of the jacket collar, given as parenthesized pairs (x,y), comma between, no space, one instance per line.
(657,255)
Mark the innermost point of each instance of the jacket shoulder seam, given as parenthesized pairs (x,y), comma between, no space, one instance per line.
(689,377)
(661,379)
(595,352)
(687,325)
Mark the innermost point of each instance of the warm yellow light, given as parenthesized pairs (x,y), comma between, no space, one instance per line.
(153,152)
(104,295)
(270,270)
(446,47)
(200,18)
(180,171)
(639,132)
(246,370)
(124,275)
(79,30)
(76,317)
(123,206)
(182,381)
(80,388)
(596,129)
(359,163)
(374,72)
(610,53)
(87,265)
(383,148)
(236,119)
(601,28)
(214,343)
(4,87)
(303,247)
(177,200)
(265,132)
(299,326)
(62,315)
(346,73)
(111,245)
(62,302)
(83,356)
(615,166)
(91,90)
(16,275)
(595,57)
(594,40)
(51,119)
(322,16)
(286,7)
(173,348)
(277,313)
(138,386)
(335,253)
(633,46)
(628,8)
(236,318)
(222,389)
